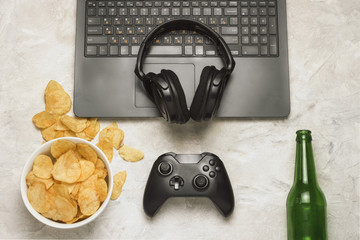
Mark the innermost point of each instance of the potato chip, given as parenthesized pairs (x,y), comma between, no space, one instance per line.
(62,209)
(57,102)
(60,147)
(53,86)
(75,191)
(67,168)
(100,169)
(88,201)
(87,169)
(93,128)
(38,197)
(101,188)
(112,134)
(89,183)
(32,179)
(107,148)
(83,136)
(130,154)
(79,216)
(59,125)
(42,166)
(69,133)
(119,180)
(73,123)
(44,119)
(87,152)
(49,133)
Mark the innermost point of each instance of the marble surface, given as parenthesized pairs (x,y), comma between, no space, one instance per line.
(37,45)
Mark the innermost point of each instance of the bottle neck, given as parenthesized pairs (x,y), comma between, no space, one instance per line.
(305,167)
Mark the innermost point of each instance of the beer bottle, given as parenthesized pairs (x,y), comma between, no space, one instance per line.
(306,204)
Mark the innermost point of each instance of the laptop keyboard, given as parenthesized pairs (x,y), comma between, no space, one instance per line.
(117,28)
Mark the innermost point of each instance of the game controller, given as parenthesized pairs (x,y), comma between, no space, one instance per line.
(188,175)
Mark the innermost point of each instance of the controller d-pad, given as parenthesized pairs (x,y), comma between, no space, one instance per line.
(176,182)
(200,182)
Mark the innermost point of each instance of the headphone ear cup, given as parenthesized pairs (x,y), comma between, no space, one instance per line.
(180,112)
(208,94)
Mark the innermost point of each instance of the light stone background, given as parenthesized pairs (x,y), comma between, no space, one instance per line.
(37,45)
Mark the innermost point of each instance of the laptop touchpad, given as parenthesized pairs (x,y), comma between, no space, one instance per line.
(185,73)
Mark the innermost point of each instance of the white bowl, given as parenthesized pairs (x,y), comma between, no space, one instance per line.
(45,149)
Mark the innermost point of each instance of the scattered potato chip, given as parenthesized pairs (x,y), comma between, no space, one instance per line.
(73,123)
(49,133)
(87,169)
(59,125)
(57,102)
(42,166)
(60,147)
(107,148)
(69,133)
(119,180)
(130,154)
(93,128)
(67,168)
(38,197)
(32,179)
(44,119)
(83,136)
(88,201)
(87,152)
(53,86)
(112,134)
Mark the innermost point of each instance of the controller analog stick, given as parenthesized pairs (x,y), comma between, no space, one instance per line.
(201,182)
(165,168)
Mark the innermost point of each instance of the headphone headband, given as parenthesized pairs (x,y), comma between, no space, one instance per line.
(184,24)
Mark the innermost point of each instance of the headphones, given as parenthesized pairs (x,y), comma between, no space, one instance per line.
(165,89)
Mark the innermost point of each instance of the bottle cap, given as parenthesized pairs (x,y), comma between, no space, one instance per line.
(303,135)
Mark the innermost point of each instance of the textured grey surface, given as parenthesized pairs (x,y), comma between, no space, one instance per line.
(37,44)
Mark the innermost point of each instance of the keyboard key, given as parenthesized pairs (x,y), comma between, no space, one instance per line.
(230,12)
(263,30)
(112,11)
(107,21)
(213,4)
(166,40)
(124,40)
(199,50)
(272,11)
(94,21)
(210,53)
(231,39)
(103,50)
(117,21)
(102,11)
(273,45)
(144,11)
(114,50)
(124,50)
(204,4)
(154,11)
(109,31)
(250,50)
(253,11)
(244,11)
(262,12)
(233,21)
(135,40)
(119,30)
(165,50)
(207,11)
(114,40)
(245,30)
(254,39)
(157,4)
(186,12)
(245,40)
(122,11)
(272,25)
(271,4)
(135,50)
(178,39)
(244,21)
(102,4)
(91,50)
(253,30)
(222,4)
(199,40)
(91,12)
(217,11)
(95,30)
(263,39)
(235,52)
(264,50)
(165,11)
(188,39)
(92,4)
(188,50)
(233,4)
(96,40)
(229,30)
(139,21)
(196,11)
(263,21)
(223,21)
(175,11)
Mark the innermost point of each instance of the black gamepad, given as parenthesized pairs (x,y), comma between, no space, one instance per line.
(188,175)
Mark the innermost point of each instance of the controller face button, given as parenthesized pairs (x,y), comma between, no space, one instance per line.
(212,162)
(165,168)
(176,182)
(201,182)
(206,168)
(218,169)
(212,174)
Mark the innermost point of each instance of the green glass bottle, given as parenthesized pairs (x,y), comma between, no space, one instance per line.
(306,204)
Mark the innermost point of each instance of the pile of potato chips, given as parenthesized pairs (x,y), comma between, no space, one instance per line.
(54,123)
(70,184)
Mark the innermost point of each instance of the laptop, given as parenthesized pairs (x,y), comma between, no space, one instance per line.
(108,35)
